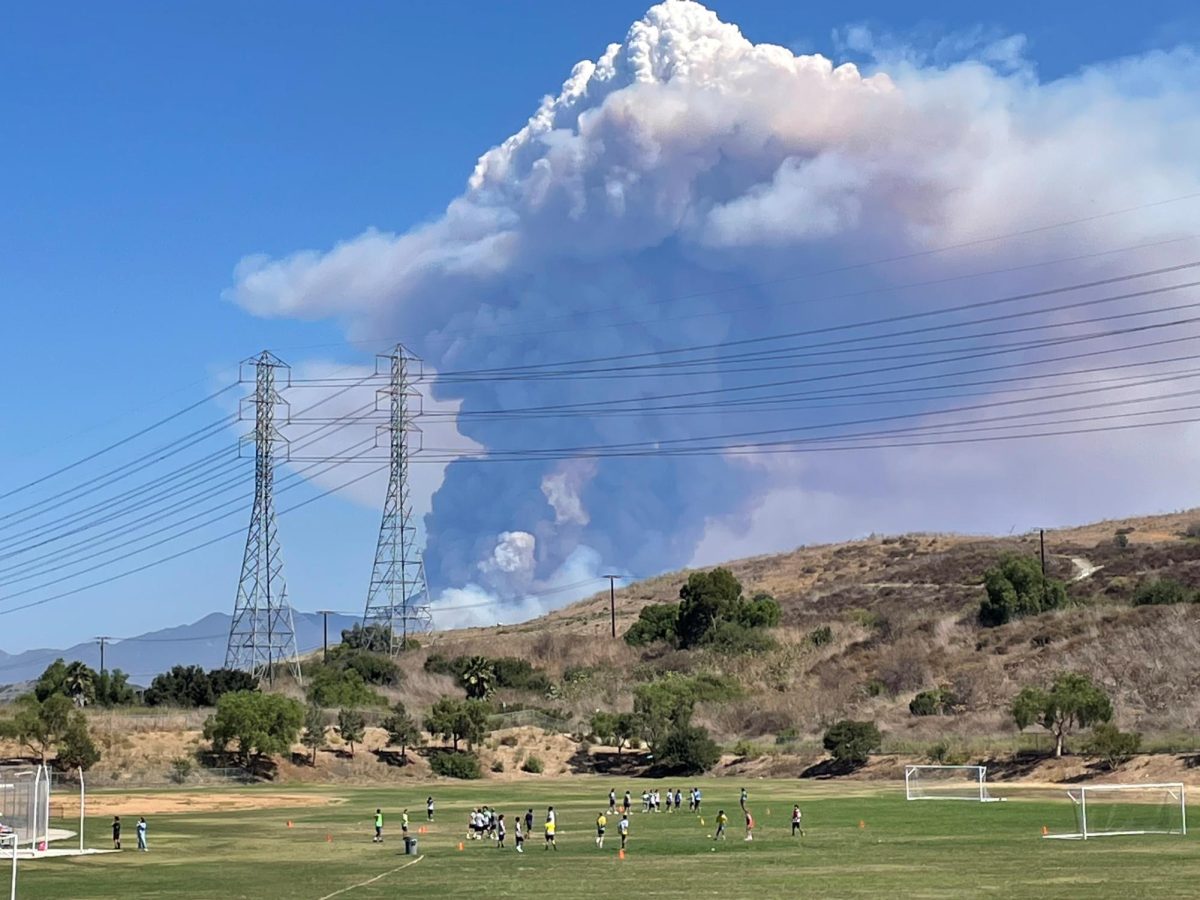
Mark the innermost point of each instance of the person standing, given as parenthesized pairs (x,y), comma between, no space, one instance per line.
(722,821)
(403,824)
(116,828)
(429,809)
(529,822)
(623,828)
(698,798)
(141,834)
(550,827)
(601,824)
(749,826)
(519,836)
(612,801)
(501,831)
(797,821)
(744,798)
(628,804)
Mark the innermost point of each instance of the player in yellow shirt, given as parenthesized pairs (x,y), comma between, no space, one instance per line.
(601,824)
(722,821)
(550,835)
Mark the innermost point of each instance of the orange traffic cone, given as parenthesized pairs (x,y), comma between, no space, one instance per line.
(460,845)
(621,853)
(862,824)
(1045,831)
(289,823)
(329,838)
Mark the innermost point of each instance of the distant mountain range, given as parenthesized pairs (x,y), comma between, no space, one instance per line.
(202,643)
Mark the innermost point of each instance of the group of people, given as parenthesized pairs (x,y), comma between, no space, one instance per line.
(141,833)
(485,822)
(378,839)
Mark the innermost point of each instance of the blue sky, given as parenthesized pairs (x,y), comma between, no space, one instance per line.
(148,147)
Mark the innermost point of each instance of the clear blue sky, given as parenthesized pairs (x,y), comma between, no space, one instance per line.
(145,148)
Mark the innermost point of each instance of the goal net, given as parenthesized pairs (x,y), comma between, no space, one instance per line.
(946,783)
(1105,810)
(25,804)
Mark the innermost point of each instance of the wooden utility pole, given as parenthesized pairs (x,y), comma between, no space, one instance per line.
(102,640)
(325,631)
(612,600)
(1042,541)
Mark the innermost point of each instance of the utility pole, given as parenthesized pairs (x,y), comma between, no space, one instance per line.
(1042,542)
(612,600)
(398,595)
(102,640)
(325,613)
(262,633)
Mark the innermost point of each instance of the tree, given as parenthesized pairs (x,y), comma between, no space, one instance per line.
(77,750)
(478,678)
(80,683)
(183,686)
(313,736)
(604,726)
(660,707)
(655,622)
(376,638)
(626,730)
(40,726)
(1073,701)
(458,720)
(259,724)
(852,742)
(687,750)
(329,686)
(402,729)
(761,612)
(1015,588)
(52,681)
(226,681)
(113,689)
(352,726)
(705,598)
(1113,745)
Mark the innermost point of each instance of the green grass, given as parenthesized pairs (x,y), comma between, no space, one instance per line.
(905,850)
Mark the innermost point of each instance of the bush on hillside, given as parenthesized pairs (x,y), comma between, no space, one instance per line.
(935,702)
(656,622)
(329,686)
(532,765)
(1015,589)
(852,742)
(819,637)
(1161,592)
(450,764)
(735,639)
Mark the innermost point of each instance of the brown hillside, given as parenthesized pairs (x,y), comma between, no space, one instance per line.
(903,614)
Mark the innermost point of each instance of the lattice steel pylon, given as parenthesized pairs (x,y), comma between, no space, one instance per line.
(262,634)
(398,597)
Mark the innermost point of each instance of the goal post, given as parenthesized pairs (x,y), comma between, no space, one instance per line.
(946,783)
(25,804)
(1111,810)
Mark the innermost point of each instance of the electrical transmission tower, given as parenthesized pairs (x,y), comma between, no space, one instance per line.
(398,598)
(262,633)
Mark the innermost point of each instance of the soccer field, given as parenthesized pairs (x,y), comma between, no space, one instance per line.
(902,849)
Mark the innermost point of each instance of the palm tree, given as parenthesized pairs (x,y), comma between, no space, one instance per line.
(478,677)
(80,683)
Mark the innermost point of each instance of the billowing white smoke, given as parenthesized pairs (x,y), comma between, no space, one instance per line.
(671,194)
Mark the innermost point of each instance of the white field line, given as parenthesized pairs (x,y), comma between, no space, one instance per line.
(376,878)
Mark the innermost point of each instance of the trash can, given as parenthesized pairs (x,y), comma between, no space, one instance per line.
(410,846)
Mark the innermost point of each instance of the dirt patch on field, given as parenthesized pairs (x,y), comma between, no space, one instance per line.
(197,801)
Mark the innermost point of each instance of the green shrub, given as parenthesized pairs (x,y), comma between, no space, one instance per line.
(1120,540)
(1113,745)
(735,639)
(875,688)
(1015,588)
(787,736)
(520,675)
(509,740)
(330,686)
(942,754)
(455,765)
(498,766)
(748,749)
(819,637)
(761,612)
(852,742)
(532,765)
(688,750)
(1161,592)
(935,702)
(438,664)
(656,622)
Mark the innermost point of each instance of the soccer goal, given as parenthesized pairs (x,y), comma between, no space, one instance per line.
(25,804)
(1107,810)
(947,783)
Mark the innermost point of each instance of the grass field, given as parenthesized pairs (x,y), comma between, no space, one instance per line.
(930,849)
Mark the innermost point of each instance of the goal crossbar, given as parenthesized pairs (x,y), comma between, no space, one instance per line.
(933,782)
(1121,810)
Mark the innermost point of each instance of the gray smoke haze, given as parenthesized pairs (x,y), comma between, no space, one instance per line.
(672,193)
